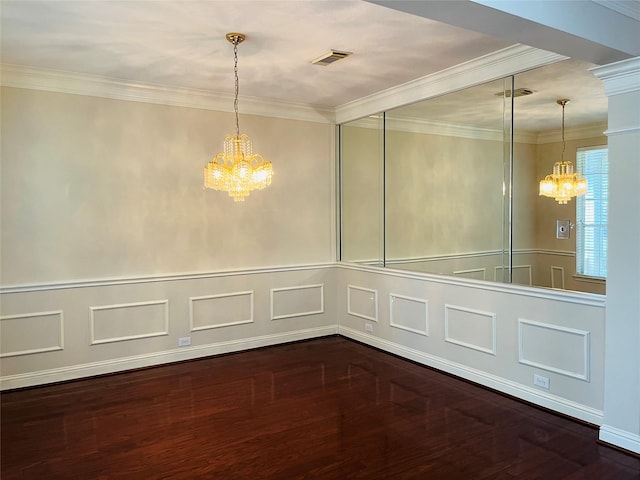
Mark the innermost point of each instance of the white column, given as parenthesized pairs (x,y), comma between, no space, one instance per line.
(621,423)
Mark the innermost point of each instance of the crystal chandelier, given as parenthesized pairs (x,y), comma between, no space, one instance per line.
(237,170)
(564,182)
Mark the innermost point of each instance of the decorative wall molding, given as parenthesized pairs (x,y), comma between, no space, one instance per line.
(195,326)
(94,312)
(584,353)
(470,312)
(500,64)
(362,302)
(620,77)
(622,131)
(395,315)
(427,127)
(172,277)
(477,273)
(565,296)
(95,86)
(158,358)
(553,276)
(573,133)
(289,293)
(28,334)
(496,275)
(544,399)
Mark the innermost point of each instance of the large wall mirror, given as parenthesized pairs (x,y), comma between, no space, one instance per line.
(449,185)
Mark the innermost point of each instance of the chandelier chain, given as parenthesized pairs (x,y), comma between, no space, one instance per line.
(563,142)
(237,90)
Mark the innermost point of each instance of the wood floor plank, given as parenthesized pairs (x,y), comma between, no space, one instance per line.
(323,409)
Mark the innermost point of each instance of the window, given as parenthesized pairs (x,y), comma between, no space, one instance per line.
(591,212)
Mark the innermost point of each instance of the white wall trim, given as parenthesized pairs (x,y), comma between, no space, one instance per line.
(565,296)
(158,333)
(574,133)
(515,267)
(374,298)
(620,438)
(449,339)
(561,269)
(499,64)
(128,280)
(471,270)
(53,348)
(424,332)
(586,357)
(193,328)
(301,313)
(622,131)
(619,77)
(47,80)
(544,399)
(158,358)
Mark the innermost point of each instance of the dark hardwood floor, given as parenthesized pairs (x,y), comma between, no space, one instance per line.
(323,409)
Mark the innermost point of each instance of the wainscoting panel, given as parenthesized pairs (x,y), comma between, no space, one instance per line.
(557,277)
(470,328)
(475,273)
(521,274)
(297,301)
(223,310)
(554,348)
(116,323)
(362,302)
(31,333)
(408,313)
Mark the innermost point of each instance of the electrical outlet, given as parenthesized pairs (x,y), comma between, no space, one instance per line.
(368,327)
(184,341)
(541,381)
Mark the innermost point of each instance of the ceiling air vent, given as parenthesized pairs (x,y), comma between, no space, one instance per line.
(518,92)
(329,58)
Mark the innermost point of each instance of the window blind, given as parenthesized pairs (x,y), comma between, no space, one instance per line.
(592,212)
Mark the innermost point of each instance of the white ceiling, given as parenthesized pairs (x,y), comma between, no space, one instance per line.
(182,44)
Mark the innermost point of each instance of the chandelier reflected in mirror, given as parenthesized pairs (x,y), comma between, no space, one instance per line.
(237,170)
(564,183)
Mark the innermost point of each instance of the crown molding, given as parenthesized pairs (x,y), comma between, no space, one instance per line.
(623,7)
(492,66)
(620,77)
(413,125)
(574,133)
(19,76)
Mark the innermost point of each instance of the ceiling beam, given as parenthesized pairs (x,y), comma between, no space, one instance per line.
(585,29)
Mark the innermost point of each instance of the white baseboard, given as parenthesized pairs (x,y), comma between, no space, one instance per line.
(620,438)
(553,402)
(158,358)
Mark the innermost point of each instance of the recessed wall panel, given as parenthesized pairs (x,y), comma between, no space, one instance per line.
(554,348)
(31,333)
(470,328)
(297,301)
(362,302)
(408,313)
(223,310)
(129,321)
(475,273)
(557,277)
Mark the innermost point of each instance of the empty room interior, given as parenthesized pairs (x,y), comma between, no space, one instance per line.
(320,239)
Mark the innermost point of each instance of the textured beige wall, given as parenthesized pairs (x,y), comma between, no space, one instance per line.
(525,196)
(94,187)
(362,152)
(444,194)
